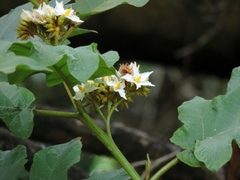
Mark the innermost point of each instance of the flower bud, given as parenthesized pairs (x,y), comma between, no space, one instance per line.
(61,20)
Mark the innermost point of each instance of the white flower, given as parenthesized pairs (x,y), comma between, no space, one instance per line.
(139,79)
(46,10)
(27,16)
(39,15)
(82,89)
(68,13)
(117,84)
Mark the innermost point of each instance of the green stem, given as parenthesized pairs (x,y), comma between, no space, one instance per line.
(70,93)
(110,109)
(68,33)
(56,42)
(99,111)
(35,3)
(164,169)
(55,113)
(107,141)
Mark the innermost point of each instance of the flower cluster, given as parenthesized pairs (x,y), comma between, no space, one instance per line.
(47,22)
(115,88)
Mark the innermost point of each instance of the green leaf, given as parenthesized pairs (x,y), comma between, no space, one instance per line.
(87,63)
(15,110)
(120,174)
(210,126)
(79,31)
(110,58)
(83,63)
(54,78)
(40,58)
(5,45)
(19,67)
(10,22)
(103,70)
(188,157)
(53,162)
(91,7)
(12,163)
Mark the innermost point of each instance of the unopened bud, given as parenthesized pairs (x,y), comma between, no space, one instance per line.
(61,20)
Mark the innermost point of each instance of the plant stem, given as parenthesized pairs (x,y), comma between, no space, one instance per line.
(107,141)
(35,3)
(67,34)
(55,113)
(164,169)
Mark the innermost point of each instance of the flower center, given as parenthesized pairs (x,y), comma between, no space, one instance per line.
(82,89)
(137,79)
(67,12)
(118,85)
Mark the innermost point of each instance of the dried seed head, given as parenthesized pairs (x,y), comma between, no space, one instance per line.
(125,69)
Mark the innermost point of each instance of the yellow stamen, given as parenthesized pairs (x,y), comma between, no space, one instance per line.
(67,12)
(81,88)
(118,85)
(137,79)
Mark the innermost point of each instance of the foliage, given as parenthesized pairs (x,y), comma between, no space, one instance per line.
(115,174)
(15,110)
(93,84)
(13,161)
(209,127)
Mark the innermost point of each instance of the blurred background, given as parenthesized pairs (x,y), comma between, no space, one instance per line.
(192,47)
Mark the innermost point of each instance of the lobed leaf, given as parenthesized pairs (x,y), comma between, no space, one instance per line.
(13,161)
(209,127)
(119,174)
(53,162)
(15,109)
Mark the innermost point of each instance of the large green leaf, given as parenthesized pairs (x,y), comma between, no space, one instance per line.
(41,58)
(91,7)
(20,67)
(10,22)
(12,163)
(15,110)
(209,127)
(54,161)
(87,63)
(120,174)
(75,64)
